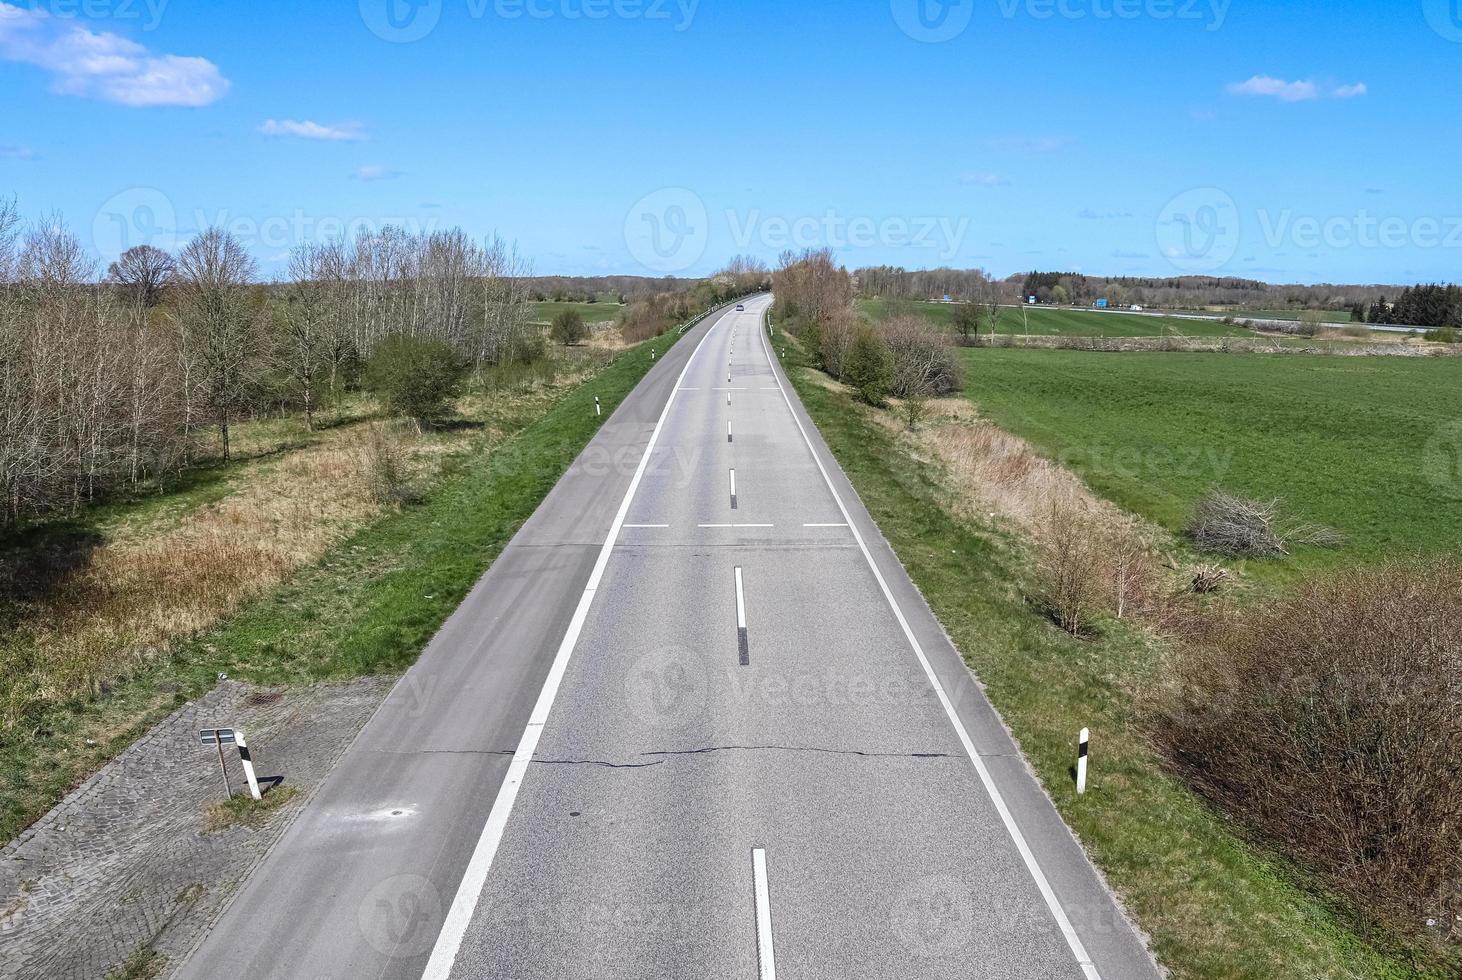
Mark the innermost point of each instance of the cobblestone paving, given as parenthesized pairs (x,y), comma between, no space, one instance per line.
(123,863)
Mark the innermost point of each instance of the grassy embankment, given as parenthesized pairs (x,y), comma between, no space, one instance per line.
(1214,905)
(299,576)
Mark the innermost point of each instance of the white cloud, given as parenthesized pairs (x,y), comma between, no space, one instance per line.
(1276,88)
(305,129)
(106,66)
(1297,91)
(375,172)
(12,152)
(984,180)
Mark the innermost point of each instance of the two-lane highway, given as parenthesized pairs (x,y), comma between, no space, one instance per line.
(739,744)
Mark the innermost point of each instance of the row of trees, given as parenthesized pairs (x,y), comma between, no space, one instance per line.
(1431,305)
(653,314)
(902,356)
(1063,288)
(113,380)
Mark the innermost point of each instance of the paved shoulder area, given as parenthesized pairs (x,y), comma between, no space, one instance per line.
(123,863)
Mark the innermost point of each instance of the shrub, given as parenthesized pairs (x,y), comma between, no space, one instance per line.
(1069,564)
(1356,331)
(386,470)
(1441,335)
(967,323)
(415,377)
(1331,721)
(835,340)
(867,368)
(568,328)
(922,361)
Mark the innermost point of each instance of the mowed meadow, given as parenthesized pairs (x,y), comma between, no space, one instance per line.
(1045,321)
(1365,445)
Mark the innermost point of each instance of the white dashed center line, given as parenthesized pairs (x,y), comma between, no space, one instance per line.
(766,956)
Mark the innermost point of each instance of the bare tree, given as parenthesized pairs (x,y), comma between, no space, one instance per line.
(143,272)
(301,345)
(218,324)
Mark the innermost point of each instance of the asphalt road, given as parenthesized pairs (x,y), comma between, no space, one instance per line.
(674,733)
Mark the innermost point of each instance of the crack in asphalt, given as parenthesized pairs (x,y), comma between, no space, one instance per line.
(805,748)
(705,750)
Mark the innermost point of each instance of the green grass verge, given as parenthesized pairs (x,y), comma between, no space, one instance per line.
(369,606)
(591,312)
(1043,321)
(1214,906)
(1366,445)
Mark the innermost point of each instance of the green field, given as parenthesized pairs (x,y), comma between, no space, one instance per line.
(1366,445)
(1048,321)
(591,312)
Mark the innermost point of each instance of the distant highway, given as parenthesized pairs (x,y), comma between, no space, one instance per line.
(695,722)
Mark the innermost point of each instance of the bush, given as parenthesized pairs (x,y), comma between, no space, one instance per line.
(835,340)
(867,368)
(1441,335)
(922,360)
(1331,721)
(415,377)
(1069,563)
(568,328)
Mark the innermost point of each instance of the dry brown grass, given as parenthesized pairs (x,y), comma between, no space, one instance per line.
(1091,557)
(153,582)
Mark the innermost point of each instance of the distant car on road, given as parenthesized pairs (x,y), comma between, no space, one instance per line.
(740,308)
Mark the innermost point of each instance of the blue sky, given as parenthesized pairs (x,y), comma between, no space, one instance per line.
(1302,141)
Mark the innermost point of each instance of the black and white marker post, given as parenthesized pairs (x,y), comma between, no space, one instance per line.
(248,762)
(598,411)
(230,736)
(1083,747)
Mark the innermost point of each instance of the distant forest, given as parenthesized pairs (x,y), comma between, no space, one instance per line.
(1430,306)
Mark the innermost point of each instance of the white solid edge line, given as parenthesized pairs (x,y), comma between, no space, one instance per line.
(740,602)
(766,955)
(459,916)
(1006,817)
